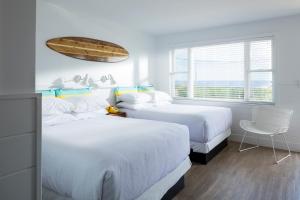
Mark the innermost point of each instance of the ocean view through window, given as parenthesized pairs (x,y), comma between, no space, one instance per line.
(237,71)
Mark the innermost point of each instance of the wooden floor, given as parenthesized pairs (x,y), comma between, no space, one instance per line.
(249,175)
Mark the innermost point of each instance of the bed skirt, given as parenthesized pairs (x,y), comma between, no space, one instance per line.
(204,152)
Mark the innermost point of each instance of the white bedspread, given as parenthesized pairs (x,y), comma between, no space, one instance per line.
(204,122)
(110,157)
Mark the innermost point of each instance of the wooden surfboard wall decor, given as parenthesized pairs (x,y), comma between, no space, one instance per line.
(88,49)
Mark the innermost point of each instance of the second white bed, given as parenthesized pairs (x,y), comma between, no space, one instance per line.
(208,125)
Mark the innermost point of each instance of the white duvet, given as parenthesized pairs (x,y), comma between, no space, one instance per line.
(204,122)
(110,157)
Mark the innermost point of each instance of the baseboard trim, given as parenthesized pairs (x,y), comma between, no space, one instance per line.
(265,141)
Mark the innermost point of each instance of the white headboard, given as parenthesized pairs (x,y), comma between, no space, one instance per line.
(86,80)
(102,85)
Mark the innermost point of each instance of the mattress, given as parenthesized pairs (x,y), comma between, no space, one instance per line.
(155,192)
(204,122)
(110,157)
(207,147)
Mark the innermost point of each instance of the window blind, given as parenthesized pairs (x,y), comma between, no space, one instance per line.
(238,71)
(260,72)
(219,71)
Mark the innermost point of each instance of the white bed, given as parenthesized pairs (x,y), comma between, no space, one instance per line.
(208,125)
(112,158)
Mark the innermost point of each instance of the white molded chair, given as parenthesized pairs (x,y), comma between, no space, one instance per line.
(267,120)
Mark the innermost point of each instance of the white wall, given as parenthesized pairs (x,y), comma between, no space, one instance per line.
(286,32)
(17,64)
(54,20)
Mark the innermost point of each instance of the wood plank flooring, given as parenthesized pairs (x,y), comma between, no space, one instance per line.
(250,175)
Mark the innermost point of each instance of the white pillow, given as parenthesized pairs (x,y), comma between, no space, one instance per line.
(135,98)
(87,103)
(104,94)
(55,106)
(131,106)
(159,96)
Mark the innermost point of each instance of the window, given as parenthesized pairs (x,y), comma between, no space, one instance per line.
(240,71)
(180,72)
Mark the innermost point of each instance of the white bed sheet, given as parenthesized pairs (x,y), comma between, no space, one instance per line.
(204,122)
(155,192)
(110,157)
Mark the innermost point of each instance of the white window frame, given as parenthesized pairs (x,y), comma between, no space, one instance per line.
(173,73)
(247,71)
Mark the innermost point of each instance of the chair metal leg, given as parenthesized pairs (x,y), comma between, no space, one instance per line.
(273,148)
(287,145)
(242,141)
(284,139)
(240,149)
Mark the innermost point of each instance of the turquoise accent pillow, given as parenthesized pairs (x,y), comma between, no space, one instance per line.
(47,93)
(148,88)
(125,90)
(65,93)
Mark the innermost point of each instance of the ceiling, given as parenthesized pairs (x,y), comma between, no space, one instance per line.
(158,17)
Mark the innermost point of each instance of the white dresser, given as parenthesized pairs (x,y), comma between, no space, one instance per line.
(20,147)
